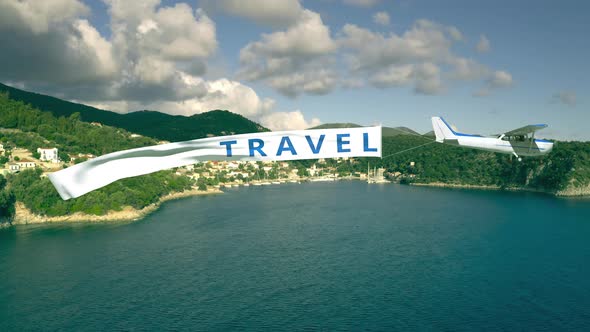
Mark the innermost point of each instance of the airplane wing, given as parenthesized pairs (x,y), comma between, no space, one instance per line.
(525,130)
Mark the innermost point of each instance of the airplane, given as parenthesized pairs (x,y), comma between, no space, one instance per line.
(517,142)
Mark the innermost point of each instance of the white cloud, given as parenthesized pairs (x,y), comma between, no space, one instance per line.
(424,42)
(565,97)
(293,61)
(483,45)
(421,56)
(500,79)
(152,60)
(393,76)
(467,69)
(362,3)
(268,12)
(455,33)
(288,121)
(496,80)
(381,18)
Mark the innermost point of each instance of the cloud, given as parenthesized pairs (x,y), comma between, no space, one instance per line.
(293,61)
(51,41)
(381,18)
(467,69)
(266,12)
(483,45)
(455,33)
(500,79)
(565,97)
(496,80)
(362,3)
(393,60)
(288,121)
(153,59)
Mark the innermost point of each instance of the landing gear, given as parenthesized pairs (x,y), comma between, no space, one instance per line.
(517,157)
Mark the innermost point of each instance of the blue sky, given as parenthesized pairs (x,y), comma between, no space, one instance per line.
(534,68)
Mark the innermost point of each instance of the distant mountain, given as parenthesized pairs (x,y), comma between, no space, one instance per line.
(430,134)
(336,125)
(394,131)
(148,123)
(385,131)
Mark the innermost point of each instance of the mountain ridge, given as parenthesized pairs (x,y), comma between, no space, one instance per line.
(153,124)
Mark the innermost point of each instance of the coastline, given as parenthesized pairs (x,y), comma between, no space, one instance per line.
(570,192)
(24,216)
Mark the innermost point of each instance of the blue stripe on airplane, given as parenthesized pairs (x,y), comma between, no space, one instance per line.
(456,133)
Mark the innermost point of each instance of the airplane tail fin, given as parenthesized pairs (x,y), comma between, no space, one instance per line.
(442,130)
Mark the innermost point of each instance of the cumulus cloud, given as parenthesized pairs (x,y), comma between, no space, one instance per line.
(565,97)
(362,3)
(293,61)
(51,41)
(154,58)
(381,18)
(266,12)
(483,45)
(496,80)
(288,121)
(421,57)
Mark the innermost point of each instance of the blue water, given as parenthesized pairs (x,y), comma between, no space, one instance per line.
(343,256)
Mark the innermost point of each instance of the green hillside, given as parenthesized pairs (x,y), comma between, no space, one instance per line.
(147,123)
(23,126)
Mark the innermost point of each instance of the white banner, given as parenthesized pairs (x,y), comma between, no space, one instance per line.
(82,178)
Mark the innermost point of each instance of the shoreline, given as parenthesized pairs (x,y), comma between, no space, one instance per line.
(24,216)
(583,192)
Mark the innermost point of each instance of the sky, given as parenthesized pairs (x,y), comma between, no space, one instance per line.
(485,66)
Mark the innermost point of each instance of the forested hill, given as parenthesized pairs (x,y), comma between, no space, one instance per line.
(148,123)
(385,131)
(564,171)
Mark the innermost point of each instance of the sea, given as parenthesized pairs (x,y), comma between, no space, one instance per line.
(338,256)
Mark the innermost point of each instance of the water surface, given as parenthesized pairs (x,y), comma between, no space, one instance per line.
(318,256)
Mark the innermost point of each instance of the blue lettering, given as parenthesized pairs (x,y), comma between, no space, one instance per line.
(340,142)
(228,146)
(286,141)
(315,149)
(366,143)
(258,147)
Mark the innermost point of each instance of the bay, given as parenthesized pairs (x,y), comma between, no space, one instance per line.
(343,256)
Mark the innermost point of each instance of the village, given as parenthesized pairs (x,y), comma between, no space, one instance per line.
(211,174)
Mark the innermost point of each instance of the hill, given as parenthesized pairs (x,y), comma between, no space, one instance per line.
(385,131)
(147,123)
(336,125)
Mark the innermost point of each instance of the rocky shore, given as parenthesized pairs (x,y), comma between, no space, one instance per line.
(571,191)
(25,216)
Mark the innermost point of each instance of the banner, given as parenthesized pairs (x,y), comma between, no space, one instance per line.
(82,178)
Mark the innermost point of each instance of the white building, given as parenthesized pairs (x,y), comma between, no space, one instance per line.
(48,154)
(25,163)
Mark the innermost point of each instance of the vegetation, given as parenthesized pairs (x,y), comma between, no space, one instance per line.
(7,200)
(147,123)
(39,195)
(568,164)
(31,128)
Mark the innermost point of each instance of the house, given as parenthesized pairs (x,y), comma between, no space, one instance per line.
(26,163)
(48,154)
(1,149)
(13,167)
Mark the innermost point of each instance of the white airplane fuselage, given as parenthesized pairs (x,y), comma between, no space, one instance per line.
(527,148)
(518,146)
